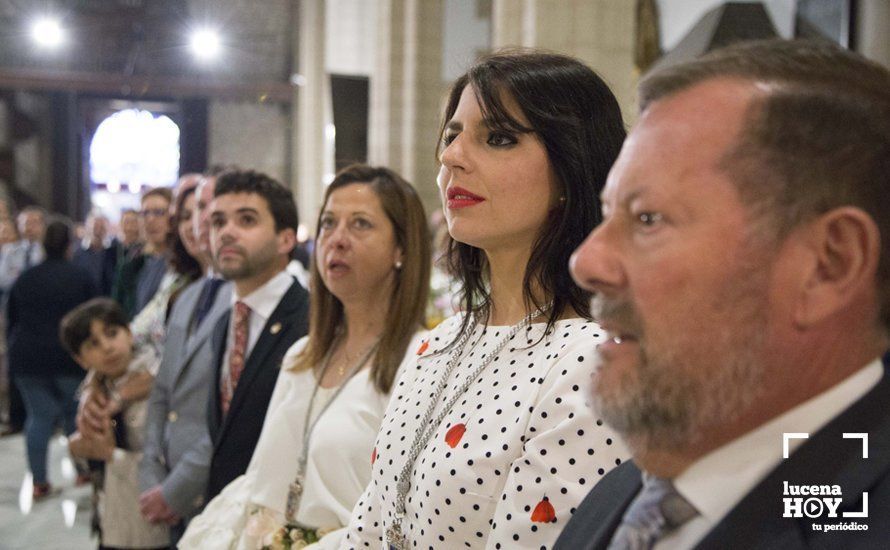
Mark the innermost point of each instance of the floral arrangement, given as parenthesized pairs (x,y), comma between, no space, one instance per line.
(290,537)
(269,534)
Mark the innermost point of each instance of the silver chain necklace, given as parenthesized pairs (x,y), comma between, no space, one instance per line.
(396,539)
(295,489)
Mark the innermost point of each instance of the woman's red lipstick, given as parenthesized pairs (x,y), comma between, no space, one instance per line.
(458,197)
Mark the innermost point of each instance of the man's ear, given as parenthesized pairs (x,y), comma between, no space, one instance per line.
(287,240)
(844,252)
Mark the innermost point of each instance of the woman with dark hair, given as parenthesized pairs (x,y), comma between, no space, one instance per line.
(370,276)
(45,374)
(484,443)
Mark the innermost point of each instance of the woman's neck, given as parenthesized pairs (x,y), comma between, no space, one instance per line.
(507,270)
(364,320)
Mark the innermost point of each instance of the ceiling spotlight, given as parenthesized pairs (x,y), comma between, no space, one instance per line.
(47,32)
(205,44)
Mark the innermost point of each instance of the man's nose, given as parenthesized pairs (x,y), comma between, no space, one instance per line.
(596,264)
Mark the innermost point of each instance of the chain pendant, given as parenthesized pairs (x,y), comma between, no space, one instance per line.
(395,539)
(403,486)
(294,494)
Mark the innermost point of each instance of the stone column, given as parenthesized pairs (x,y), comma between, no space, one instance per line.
(873,30)
(310,146)
(599,32)
(407,90)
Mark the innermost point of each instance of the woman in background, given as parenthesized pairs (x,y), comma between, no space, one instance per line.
(370,277)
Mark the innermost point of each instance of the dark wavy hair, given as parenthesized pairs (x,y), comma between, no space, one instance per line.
(578,120)
(279,198)
(180,259)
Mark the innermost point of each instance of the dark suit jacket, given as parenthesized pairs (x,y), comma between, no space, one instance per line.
(235,436)
(756,522)
(100,264)
(38,300)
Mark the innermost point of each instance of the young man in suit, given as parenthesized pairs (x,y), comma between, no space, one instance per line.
(253,225)
(741,273)
(173,472)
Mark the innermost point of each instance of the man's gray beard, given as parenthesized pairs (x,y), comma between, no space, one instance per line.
(678,393)
(664,409)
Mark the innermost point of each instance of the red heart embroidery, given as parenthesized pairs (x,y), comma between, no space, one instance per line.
(423,347)
(455,434)
(544,512)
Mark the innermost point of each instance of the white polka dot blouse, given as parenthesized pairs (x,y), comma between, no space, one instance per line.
(513,457)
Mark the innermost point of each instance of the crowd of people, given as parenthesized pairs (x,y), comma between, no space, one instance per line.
(643,319)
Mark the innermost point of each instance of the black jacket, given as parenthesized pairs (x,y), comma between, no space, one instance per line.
(826,458)
(38,300)
(235,436)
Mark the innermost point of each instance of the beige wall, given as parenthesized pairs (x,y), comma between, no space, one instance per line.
(251,135)
(599,32)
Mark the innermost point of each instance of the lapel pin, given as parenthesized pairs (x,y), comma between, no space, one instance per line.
(275,329)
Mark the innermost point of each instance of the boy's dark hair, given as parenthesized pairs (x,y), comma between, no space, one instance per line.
(277,196)
(74,329)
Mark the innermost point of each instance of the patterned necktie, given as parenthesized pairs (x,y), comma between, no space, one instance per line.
(656,511)
(236,354)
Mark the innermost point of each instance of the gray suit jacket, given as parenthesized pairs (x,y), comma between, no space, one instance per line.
(177,412)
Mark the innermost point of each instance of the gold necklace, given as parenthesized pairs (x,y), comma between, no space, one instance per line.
(341,368)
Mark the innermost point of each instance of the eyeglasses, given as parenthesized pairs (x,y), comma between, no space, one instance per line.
(156,212)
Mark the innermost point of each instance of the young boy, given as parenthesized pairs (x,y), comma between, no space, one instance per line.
(97,336)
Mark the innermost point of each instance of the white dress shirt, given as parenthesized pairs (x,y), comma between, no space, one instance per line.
(13,260)
(717,482)
(262,302)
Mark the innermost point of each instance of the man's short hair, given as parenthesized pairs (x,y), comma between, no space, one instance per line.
(74,329)
(216,169)
(33,209)
(164,192)
(277,196)
(817,135)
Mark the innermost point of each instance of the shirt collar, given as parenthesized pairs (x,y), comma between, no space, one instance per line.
(264,299)
(715,483)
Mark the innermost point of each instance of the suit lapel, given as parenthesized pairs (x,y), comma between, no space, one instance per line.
(280,320)
(218,338)
(220,305)
(187,303)
(825,459)
(627,483)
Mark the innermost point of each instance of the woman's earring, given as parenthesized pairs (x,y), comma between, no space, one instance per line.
(398,265)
